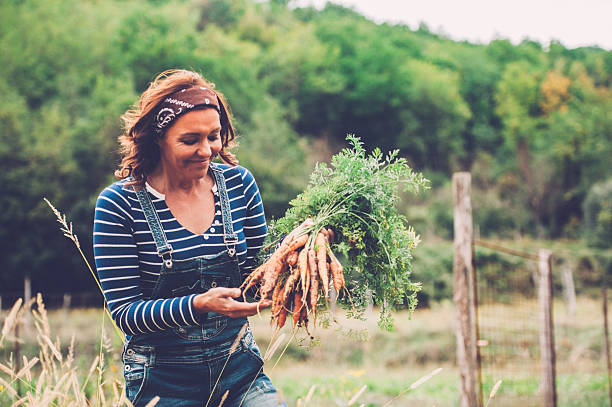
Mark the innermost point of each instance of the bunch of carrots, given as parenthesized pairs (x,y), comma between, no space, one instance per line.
(297,275)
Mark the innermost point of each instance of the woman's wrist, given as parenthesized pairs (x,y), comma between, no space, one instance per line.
(200,303)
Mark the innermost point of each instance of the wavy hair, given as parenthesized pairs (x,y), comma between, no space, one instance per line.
(139,149)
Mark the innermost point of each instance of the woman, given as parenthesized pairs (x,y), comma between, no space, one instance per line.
(172,240)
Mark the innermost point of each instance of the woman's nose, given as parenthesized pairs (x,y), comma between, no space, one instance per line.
(204,149)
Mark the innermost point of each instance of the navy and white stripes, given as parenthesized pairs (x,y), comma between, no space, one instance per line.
(127,261)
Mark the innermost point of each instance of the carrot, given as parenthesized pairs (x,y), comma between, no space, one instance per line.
(276,267)
(292,258)
(295,244)
(297,307)
(321,243)
(336,272)
(314,281)
(295,274)
(303,268)
(304,318)
(277,299)
(282,316)
(253,278)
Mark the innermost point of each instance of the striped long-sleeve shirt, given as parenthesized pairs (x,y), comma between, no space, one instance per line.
(127,262)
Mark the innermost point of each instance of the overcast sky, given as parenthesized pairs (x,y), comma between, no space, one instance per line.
(574,23)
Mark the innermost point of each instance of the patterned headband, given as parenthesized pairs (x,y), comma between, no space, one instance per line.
(183,101)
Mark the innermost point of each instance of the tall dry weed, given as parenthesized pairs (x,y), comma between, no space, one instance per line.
(51,378)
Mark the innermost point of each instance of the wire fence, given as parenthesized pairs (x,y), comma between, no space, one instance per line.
(55,300)
(509,330)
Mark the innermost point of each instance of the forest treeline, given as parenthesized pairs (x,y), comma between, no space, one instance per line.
(533,123)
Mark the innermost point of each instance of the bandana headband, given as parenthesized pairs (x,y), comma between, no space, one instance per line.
(182,102)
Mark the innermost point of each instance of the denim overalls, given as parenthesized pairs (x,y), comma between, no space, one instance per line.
(181,365)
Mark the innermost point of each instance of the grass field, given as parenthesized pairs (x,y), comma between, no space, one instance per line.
(349,355)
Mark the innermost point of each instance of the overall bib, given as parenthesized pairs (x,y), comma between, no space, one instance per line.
(181,365)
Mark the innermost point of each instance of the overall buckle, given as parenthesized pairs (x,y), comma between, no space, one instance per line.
(230,240)
(167,251)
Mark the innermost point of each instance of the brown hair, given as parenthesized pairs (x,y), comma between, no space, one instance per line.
(139,148)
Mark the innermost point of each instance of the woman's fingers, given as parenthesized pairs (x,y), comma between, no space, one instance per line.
(226,292)
(245,309)
(221,300)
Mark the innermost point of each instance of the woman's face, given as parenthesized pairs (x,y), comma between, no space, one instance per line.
(190,144)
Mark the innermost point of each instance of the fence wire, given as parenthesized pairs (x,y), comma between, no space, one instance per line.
(509,333)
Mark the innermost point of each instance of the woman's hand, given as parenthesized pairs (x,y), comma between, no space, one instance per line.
(221,300)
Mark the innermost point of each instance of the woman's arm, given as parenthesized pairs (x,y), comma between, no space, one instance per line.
(255,228)
(116,257)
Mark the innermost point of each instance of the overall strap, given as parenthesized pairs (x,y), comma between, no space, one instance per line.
(161,242)
(229,237)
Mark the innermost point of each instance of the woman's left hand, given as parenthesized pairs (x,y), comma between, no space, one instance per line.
(221,300)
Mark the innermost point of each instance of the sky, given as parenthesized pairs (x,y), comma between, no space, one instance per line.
(574,23)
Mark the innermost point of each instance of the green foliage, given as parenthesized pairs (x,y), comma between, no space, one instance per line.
(282,178)
(598,215)
(356,196)
(296,79)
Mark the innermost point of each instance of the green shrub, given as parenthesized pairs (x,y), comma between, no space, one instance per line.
(598,215)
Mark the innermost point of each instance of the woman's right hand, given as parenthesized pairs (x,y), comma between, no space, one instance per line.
(221,300)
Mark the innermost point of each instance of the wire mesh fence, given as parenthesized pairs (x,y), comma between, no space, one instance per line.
(509,334)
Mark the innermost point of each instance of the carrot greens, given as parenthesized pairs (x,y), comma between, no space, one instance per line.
(356,196)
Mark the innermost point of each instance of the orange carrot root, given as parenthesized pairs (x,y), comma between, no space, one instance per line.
(276,268)
(297,242)
(336,272)
(292,258)
(314,281)
(321,244)
(303,268)
(282,317)
(297,307)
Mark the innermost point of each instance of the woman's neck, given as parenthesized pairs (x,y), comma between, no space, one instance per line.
(165,182)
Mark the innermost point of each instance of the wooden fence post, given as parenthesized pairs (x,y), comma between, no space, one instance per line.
(462,294)
(547,344)
(569,292)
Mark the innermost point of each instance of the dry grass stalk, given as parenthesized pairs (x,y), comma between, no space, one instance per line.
(19,402)
(153,402)
(231,351)
(272,349)
(66,229)
(309,395)
(493,392)
(93,367)
(25,370)
(238,338)
(6,370)
(40,313)
(76,390)
(357,395)
(415,385)
(54,350)
(425,378)
(7,387)
(223,398)
(11,319)
(70,357)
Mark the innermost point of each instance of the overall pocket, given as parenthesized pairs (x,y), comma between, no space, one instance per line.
(250,346)
(212,281)
(136,373)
